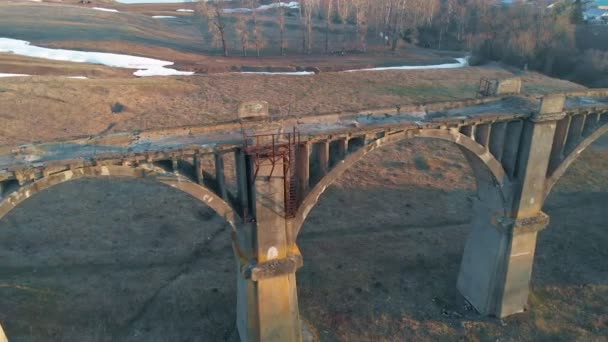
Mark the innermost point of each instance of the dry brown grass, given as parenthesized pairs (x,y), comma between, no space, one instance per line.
(47,108)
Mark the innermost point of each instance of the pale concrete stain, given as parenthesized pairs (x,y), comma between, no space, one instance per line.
(272,253)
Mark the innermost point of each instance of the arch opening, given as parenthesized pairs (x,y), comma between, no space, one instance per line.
(155,173)
(383,249)
(113,259)
(362,282)
(490,176)
(598,137)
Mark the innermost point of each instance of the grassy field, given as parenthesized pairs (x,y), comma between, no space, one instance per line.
(46,108)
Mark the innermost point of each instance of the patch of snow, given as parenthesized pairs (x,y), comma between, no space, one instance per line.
(105,9)
(79,77)
(462,62)
(146,66)
(295,73)
(12,75)
(161,71)
(237,10)
(184,10)
(164,17)
(291,5)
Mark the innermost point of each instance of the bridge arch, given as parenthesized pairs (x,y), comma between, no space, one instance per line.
(492,181)
(173,180)
(554,177)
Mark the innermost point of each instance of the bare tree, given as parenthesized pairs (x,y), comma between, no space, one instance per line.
(281,22)
(242,31)
(342,11)
(361,8)
(257,36)
(213,13)
(307,10)
(329,11)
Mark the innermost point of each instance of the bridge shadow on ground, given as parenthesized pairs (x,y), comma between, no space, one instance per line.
(382,258)
(116,260)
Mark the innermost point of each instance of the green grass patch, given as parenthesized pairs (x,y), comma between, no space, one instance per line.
(435,92)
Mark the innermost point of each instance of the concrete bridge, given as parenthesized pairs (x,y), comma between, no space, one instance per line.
(264,177)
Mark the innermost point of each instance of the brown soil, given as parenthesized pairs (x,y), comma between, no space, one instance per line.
(47,108)
(109,260)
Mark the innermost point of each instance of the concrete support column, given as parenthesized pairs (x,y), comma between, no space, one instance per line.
(220,179)
(320,160)
(268,299)
(198,169)
(303,170)
(3,337)
(338,150)
(241,179)
(497,261)
(499,253)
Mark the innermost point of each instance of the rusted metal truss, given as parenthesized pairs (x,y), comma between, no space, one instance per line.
(276,150)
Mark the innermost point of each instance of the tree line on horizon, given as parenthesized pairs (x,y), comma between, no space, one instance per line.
(524,33)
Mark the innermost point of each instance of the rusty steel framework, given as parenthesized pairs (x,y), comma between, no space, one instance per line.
(485,87)
(276,150)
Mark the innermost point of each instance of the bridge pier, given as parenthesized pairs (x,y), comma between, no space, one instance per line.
(497,262)
(3,337)
(267,308)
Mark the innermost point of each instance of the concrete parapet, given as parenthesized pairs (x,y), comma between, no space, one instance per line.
(552,104)
(508,86)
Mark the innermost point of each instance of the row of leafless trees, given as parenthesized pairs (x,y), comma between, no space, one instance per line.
(390,19)
(525,28)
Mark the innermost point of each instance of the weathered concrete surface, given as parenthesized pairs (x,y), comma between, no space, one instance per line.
(2,335)
(226,135)
(499,254)
(272,305)
(509,86)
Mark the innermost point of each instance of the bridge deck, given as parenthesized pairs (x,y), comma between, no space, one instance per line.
(229,135)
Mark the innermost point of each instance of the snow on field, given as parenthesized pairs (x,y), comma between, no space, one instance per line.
(12,75)
(164,17)
(146,66)
(462,62)
(184,10)
(161,71)
(292,5)
(105,9)
(295,73)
